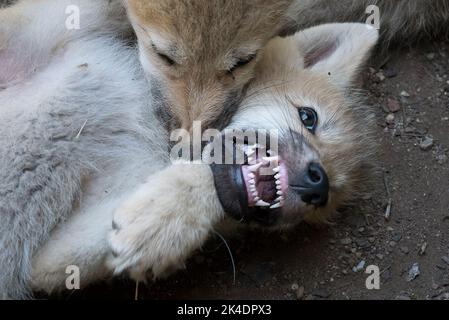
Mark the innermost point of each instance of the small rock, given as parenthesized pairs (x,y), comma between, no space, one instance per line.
(441,158)
(390,118)
(413,273)
(410,129)
(380,256)
(396,237)
(300,293)
(426,144)
(445,259)
(393,105)
(390,71)
(380,76)
(359,267)
(295,287)
(321,293)
(405,94)
(346,241)
(423,248)
(404,250)
(430,56)
(362,243)
(392,244)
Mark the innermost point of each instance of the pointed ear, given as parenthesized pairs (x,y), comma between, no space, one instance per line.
(336,50)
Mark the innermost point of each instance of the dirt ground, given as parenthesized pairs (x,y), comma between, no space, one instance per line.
(411,93)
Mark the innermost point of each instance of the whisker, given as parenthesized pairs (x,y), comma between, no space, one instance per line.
(230,253)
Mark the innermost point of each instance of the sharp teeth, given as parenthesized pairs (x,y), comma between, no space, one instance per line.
(277,182)
(255,167)
(277,169)
(279,193)
(252,181)
(252,189)
(279,199)
(251,175)
(256,198)
(276,205)
(262,203)
(277,176)
(278,187)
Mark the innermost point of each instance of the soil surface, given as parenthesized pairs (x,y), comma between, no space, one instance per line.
(409,91)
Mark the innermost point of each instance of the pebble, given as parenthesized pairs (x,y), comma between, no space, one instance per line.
(346,241)
(390,118)
(426,144)
(423,249)
(393,105)
(380,76)
(445,259)
(300,293)
(360,266)
(404,250)
(390,71)
(430,56)
(396,237)
(405,94)
(321,293)
(414,272)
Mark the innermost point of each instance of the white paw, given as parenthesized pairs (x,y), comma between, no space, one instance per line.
(161,225)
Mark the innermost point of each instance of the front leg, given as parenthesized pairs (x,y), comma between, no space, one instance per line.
(165,221)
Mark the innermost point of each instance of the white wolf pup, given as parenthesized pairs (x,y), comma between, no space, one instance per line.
(144,214)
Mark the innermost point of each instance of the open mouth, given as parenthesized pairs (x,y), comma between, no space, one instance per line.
(265,178)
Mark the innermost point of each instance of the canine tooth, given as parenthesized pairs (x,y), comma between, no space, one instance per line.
(276,205)
(255,167)
(262,203)
(279,193)
(256,198)
(279,199)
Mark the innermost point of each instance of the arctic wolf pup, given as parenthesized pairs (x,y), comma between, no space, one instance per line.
(139,213)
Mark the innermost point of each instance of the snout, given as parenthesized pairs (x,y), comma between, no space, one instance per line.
(312,185)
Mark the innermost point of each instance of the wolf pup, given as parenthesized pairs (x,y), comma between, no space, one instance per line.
(201,54)
(146,216)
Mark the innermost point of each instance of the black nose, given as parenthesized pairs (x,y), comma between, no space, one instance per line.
(313,185)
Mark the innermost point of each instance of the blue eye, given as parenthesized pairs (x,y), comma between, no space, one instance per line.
(309,118)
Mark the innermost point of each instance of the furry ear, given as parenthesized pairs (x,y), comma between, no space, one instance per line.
(336,50)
